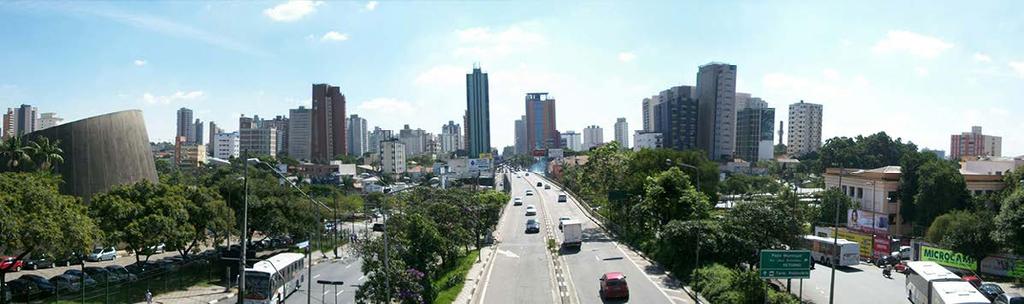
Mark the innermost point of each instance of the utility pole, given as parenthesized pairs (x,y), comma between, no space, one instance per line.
(245,229)
(835,240)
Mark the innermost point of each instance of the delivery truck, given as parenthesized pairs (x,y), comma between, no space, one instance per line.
(572,234)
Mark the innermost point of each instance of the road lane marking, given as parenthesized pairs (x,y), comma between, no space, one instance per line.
(325,292)
(507,253)
(316,276)
(347,266)
(339,292)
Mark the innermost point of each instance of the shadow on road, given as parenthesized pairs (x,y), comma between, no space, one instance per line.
(610,301)
(569,250)
(595,235)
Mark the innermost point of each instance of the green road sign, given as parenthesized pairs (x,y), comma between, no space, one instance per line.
(785,264)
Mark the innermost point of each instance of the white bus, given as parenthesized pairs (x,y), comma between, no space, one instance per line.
(274,279)
(823,251)
(930,283)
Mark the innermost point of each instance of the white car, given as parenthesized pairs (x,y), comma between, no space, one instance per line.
(518,201)
(563,219)
(531,210)
(529,192)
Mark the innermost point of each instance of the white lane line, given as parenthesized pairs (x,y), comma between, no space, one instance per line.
(339,292)
(316,276)
(642,271)
(325,292)
(347,266)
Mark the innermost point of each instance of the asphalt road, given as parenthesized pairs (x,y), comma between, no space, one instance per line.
(862,283)
(521,271)
(599,254)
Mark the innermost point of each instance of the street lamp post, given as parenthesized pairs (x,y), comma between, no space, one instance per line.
(243,237)
(835,240)
(696,262)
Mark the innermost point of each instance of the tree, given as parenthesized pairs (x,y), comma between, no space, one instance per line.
(141,215)
(46,154)
(15,154)
(941,189)
(970,234)
(742,184)
(779,149)
(768,223)
(208,214)
(827,212)
(670,196)
(1009,224)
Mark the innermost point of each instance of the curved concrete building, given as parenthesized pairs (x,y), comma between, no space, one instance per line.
(102,151)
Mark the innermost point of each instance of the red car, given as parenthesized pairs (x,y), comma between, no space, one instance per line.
(967,276)
(8,264)
(613,285)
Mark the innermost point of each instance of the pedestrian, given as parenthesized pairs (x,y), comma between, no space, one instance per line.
(149,297)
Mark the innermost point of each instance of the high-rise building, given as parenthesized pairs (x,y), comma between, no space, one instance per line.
(622,132)
(211,145)
(521,147)
(186,127)
(572,141)
(377,136)
(358,137)
(226,145)
(258,141)
(755,129)
(451,137)
(299,132)
(648,112)
(804,129)
(478,115)
(47,120)
(197,138)
(246,122)
(972,144)
(416,141)
(281,124)
(675,118)
(593,136)
(646,140)
(716,117)
(541,125)
(20,121)
(392,156)
(328,136)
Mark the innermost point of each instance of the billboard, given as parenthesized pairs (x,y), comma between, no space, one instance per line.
(946,257)
(1003,265)
(555,153)
(479,165)
(883,246)
(864,241)
(867,221)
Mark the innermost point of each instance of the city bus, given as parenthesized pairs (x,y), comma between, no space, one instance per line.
(930,283)
(822,251)
(274,279)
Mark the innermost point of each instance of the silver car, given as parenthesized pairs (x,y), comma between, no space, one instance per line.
(102,254)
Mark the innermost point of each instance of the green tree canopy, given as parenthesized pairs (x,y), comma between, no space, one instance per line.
(38,219)
(142,214)
(941,189)
(1009,224)
(966,232)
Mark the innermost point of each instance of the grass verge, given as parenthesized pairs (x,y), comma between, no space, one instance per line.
(450,284)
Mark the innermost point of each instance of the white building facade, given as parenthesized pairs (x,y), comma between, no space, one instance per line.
(225,145)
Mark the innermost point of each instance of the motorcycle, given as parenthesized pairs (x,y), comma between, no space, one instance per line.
(887,272)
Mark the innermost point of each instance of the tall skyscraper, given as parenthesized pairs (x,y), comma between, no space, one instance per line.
(357,136)
(572,141)
(716,117)
(197,129)
(478,115)
(804,129)
(186,127)
(328,136)
(281,124)
(416,141)
(622,132)
(451,137)
(377,136)
(20,121)
(755,129)
(675,118)
(521,147)
(648,112)
(973,144)
(47,120)
(541,125)
(593,136)
(300,127)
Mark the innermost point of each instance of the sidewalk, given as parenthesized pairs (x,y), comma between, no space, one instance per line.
(474,276)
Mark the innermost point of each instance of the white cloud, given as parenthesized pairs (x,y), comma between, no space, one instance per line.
(334,36)
(830,74)
(481,43)
(387,105)
(292,10)
(626,56)
(177,96)
(1018,66)
(372,5)
(915,44)
(921,71)
(982,57)
(139,62)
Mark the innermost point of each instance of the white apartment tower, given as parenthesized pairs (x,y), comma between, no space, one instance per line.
(622,132)
(804,129)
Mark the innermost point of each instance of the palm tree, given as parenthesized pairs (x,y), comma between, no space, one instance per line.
(14,152)
(46,153)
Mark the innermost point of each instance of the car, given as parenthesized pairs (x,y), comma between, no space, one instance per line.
(71,258)
(518,201)
(23,290)
(562,198)
(562,220)
(155,249)
(539,184)
(101,275)
(529,192)
(532,226)
(102,254)
(900,267)
(379,227)
(39,261)
(44,285)
(1009,298)
(66,283)
(546,187)
(531,210)
(167,265)
(122,273)
(527,173)
(967,275)
(78,275)
(990,290)
(613,285)
(11,264)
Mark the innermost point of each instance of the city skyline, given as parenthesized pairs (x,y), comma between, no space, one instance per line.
(871,76)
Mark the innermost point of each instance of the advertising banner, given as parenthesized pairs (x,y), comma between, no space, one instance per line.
(882,245)
(863,240)
(1003,265)
(867,221)
(947,258)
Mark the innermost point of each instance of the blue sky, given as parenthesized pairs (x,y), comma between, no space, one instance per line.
(914,69)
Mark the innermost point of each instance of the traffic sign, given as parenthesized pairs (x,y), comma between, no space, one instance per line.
(785,264)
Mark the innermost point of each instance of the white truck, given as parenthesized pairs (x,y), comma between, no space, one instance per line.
(572,234)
